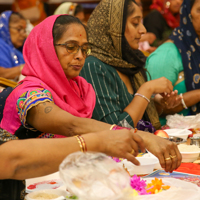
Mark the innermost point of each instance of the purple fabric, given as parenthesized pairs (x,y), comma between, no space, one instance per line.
(145,126)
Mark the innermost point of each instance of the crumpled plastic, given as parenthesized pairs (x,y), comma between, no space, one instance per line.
(180,121)
(96,176)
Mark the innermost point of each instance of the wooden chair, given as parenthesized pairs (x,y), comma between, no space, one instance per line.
(7,83)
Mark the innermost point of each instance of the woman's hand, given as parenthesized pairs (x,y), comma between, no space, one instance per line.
(166,151)
(168,101)
(160,85)
(120,143)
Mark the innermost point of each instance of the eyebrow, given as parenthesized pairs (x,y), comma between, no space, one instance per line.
(75,41)
(137,17)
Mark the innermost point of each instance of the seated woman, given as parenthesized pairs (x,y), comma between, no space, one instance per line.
(161,21)
(178,60)
(53,101)
(35,16)
(116,67)
(73,9)
(12,36)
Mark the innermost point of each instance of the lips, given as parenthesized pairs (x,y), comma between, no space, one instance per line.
(76,67)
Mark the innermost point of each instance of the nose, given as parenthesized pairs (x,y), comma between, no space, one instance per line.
(142,29)
(79,54)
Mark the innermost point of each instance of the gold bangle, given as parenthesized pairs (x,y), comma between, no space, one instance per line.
(112,126)
(80,144)
(83,143)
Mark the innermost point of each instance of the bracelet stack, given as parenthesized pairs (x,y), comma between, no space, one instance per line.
(116,127)
(137,94)
(183,102)
(81,142)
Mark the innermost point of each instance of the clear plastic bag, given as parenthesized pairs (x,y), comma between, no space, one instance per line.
(95,176)
(180,121)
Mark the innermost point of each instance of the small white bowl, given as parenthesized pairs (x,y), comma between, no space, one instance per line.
(189,156)
(178,133)
(147,165)
(58,192)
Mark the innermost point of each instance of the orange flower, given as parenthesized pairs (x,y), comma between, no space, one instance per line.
(156,186)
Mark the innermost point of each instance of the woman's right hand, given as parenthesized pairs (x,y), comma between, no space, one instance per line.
(160,85)
(120,143)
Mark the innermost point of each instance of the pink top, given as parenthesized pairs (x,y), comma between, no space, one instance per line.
(43,70)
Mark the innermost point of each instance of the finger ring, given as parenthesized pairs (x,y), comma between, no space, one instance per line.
(173,156)
(132,151)
(169,158)
(166,103)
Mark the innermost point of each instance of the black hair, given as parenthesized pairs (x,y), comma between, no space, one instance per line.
(15,16)
(78,9)
(130,8)
(61,24)
(191,3)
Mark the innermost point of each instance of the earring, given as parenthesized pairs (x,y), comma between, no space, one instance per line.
(167,4)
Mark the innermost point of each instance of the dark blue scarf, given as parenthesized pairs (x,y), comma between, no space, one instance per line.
(9,55)
(187,41)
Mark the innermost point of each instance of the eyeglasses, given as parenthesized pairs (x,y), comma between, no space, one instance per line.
(20,30)
(73,48)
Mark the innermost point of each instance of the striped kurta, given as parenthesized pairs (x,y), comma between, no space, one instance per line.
(112,95)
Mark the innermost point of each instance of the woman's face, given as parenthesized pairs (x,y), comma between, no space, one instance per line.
(134,28)
(72,63)
(195,13)
(175,6)
(18,32)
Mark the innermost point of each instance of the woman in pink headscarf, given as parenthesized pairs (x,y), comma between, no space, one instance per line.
(52,84)
(161,21)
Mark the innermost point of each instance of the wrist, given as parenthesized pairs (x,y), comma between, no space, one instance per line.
(20,68)
(146,89)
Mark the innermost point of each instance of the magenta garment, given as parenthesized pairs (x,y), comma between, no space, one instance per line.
(43,70)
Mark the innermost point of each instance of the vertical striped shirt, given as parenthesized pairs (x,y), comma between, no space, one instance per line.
(112,95)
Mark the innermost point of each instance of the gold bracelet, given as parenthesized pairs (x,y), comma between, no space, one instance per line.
(80,144)
(83,143)
(112,126)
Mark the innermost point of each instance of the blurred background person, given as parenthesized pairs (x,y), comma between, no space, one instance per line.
(147,38)
(178,60)
(71,9)
(32,10)
(12,36)
(161,21)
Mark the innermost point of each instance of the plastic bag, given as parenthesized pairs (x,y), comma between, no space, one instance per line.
(180,190)
(95,176)
(180,121)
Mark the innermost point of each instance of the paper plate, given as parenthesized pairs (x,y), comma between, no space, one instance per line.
(51,181)
(179,190)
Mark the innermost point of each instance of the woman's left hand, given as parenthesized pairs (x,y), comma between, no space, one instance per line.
(166,151)
(168,101)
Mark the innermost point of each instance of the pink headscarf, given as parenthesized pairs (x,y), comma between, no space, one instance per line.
(43,69)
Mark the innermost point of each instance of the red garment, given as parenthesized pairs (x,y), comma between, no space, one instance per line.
(173,21)
(190,168)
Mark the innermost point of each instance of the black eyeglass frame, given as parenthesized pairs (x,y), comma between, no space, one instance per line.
(79,47)
(19,30)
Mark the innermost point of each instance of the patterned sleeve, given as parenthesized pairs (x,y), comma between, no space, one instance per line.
(30,99)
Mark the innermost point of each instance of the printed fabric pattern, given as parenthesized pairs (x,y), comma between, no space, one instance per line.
(30,99)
